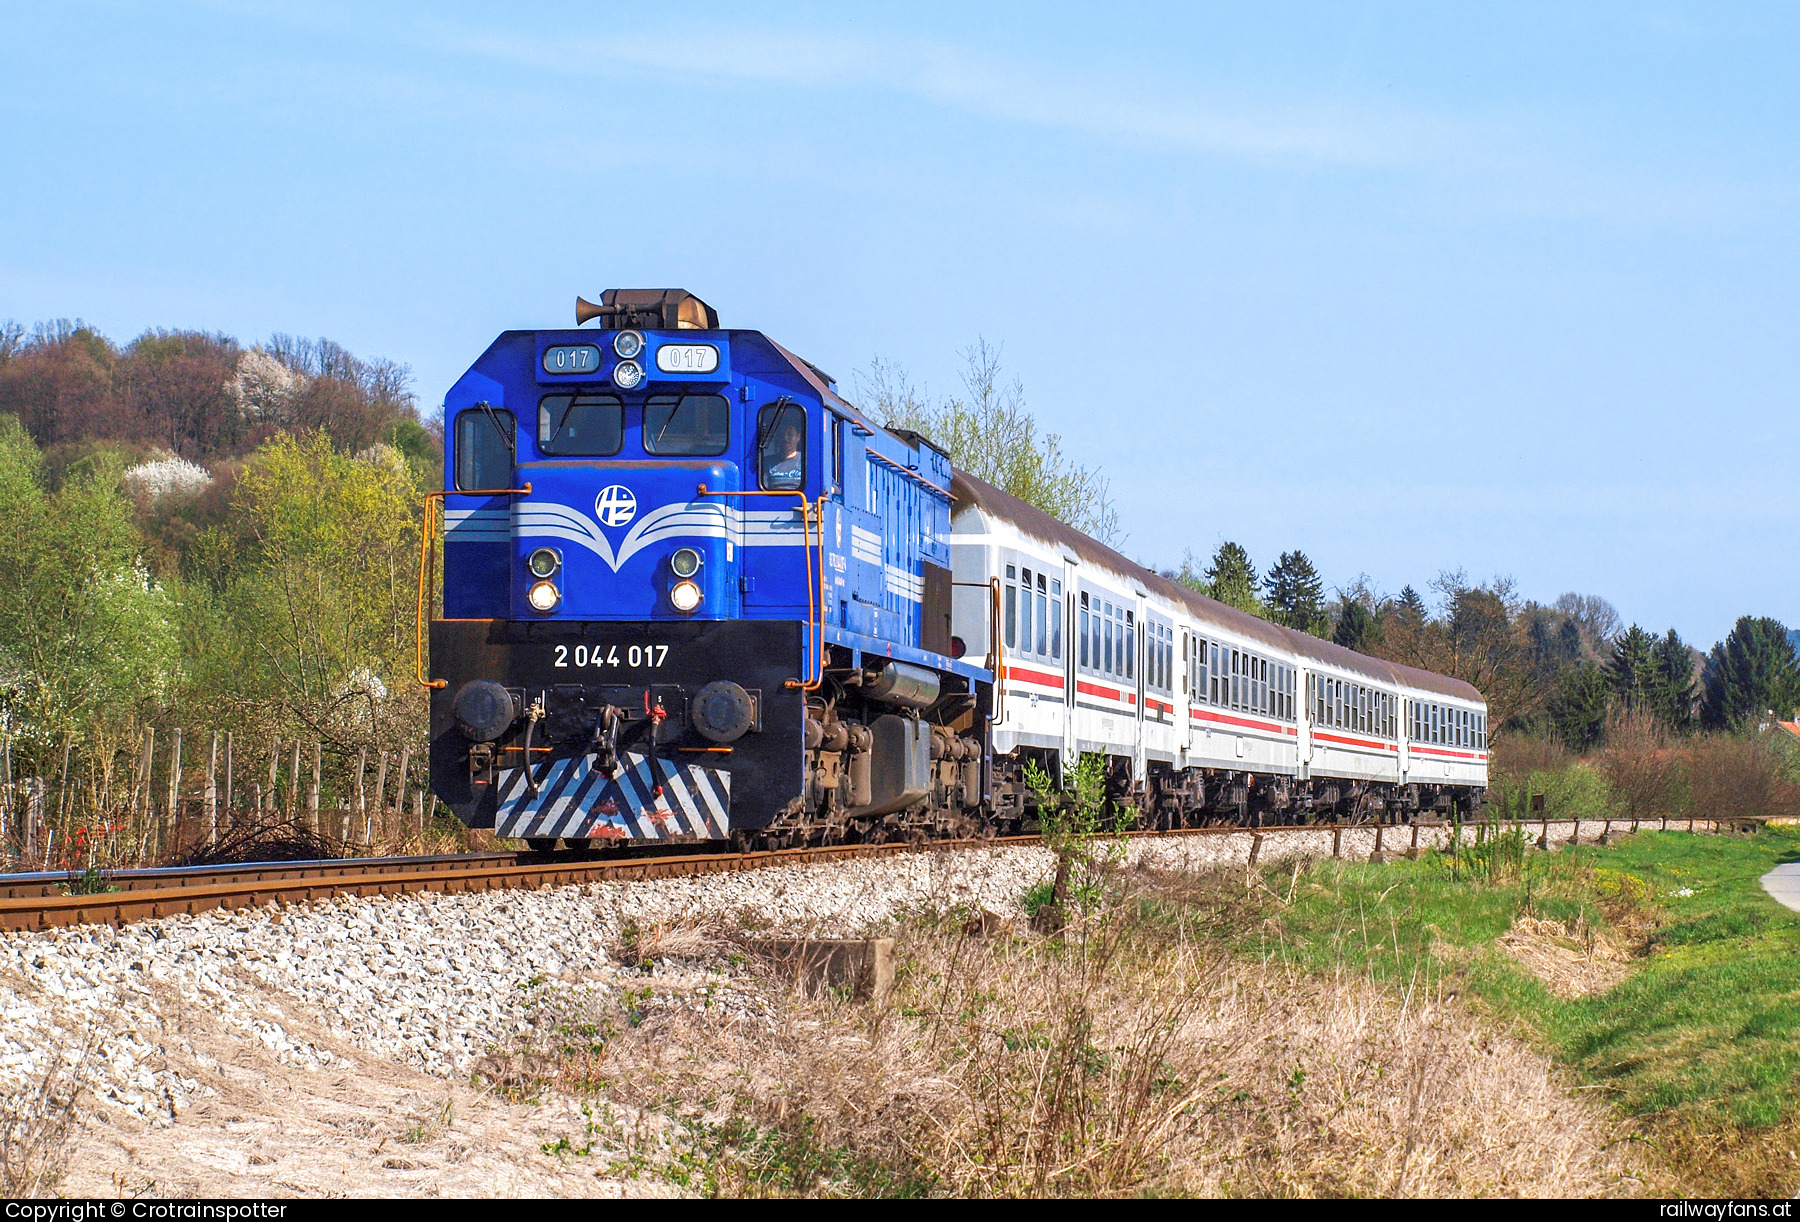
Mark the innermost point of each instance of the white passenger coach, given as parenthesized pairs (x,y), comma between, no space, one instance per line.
(1203,713)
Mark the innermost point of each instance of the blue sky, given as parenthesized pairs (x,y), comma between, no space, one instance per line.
(1408,287)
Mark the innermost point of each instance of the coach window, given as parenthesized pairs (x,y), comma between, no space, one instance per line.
(587,425)
(1043,616)
(1081,623)
(694,425)
(1130,645)
(1012,606)
(485,441)
(1024,610)
(1107,625)
(1056,620)
(781,446)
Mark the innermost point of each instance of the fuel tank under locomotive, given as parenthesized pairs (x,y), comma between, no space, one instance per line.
(640,731)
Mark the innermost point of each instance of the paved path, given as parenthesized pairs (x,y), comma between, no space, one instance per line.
(1783,882)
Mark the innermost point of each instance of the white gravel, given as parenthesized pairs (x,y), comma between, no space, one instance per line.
(434,981)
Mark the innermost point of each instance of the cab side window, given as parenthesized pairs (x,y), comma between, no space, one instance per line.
(485,442)
(781,447)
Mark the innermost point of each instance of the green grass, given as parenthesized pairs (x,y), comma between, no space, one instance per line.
(1706,1027)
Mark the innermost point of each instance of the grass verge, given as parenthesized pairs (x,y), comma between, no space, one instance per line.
(1696,1039)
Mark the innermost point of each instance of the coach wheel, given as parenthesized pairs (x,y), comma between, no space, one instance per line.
(537,844)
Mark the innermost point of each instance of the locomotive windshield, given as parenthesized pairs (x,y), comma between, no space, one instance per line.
(585,425)
(484,448)
(689,425)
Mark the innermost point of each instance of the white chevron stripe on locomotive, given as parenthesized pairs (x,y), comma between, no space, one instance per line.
(691,519)
(865,545)
(477,526)
(575,800)
(905,585)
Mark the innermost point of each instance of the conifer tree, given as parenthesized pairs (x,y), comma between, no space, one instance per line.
(1296,595)
(1410,609)
(1631,668)
(1751,672)
(1356,627)
(1672,682)
(1231,579)
(1578,707)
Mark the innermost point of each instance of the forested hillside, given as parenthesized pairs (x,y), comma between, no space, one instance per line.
(207,536)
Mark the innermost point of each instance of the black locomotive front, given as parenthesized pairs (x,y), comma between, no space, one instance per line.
(607,731)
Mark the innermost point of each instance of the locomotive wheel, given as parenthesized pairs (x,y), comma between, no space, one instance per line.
(537,844)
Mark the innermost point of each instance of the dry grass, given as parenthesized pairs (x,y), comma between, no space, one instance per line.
(1571,960)
(38,1123)
(1126,1056)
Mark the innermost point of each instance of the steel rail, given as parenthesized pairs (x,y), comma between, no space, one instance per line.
(34,901)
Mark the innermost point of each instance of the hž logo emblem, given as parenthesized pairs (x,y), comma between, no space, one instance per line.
(615,505)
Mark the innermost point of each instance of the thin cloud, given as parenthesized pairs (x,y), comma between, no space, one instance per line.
(953,77)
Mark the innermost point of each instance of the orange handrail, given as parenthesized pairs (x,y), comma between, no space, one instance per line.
(424,581)
(815,610)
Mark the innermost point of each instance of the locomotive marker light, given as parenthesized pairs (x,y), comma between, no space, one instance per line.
(685,562)
(685,596)
(627,374)
(628,344)
(543,597)
(544,562)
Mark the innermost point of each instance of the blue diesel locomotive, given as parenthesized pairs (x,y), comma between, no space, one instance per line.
(691,593)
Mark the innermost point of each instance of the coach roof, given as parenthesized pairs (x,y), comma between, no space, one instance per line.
(1030,520)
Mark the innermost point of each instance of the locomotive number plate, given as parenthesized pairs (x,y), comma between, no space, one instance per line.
(641,657)
(571,358)
(687,358)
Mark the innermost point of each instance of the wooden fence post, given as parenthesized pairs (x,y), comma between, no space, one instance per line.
(274,794)
(172,817)
(229,816)
(312,792)
(419,807)
(362,794)
(1337,840)
(10,802)
(293,798)
(381,811)
(400,784)
(213,792)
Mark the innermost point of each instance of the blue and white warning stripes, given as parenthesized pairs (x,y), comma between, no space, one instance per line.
(576,801)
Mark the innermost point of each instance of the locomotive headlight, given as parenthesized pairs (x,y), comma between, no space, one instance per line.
(543,596)
(544,562)
(627,374)
(685,562)
(685,595)
(628,344)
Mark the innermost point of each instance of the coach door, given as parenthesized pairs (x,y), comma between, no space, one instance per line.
(1138,634)
(1071,752)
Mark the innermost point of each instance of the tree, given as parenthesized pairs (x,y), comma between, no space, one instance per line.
(86,637)
(1410,609)
(318,578)
(1356,627)
(990,434)
(1751,672)
(1597,618)
(1231,579)
(1672,682)
(1579,705)
(1296,596)
(1630,670)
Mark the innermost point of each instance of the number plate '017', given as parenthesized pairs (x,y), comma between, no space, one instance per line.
(641,657)
(687,358)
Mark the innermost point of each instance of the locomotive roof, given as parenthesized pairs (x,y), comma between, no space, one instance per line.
(1031,520)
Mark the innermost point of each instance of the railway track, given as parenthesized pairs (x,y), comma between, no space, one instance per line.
(41,900)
